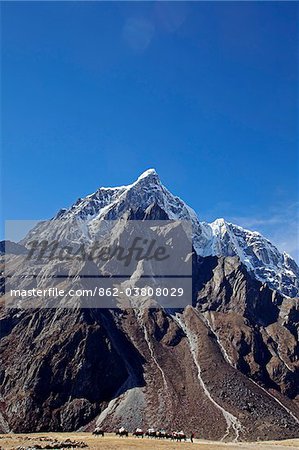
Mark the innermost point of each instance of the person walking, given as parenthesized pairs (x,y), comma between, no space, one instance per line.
(191,437)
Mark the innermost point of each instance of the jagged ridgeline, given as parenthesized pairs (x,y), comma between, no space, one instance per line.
(225,367)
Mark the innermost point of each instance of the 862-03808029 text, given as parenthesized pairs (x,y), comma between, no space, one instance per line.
(100,291)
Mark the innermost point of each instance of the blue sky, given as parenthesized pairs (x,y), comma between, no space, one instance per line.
(206,93)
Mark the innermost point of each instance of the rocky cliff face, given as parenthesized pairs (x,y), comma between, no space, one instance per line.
(225,367)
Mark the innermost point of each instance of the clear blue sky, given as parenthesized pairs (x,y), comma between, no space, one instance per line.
(206,93)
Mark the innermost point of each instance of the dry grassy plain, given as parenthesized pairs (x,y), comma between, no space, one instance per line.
(110,442)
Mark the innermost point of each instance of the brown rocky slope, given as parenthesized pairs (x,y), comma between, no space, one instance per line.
(226,367)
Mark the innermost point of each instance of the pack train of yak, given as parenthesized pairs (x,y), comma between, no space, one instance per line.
(150,433)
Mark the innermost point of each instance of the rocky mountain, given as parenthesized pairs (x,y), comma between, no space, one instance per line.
(225,367)
(219,238)
(12,248)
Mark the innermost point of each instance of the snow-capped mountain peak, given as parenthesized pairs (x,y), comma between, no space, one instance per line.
(259,255)
(219,238)
(148,173)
